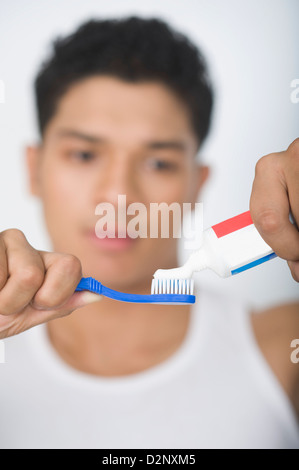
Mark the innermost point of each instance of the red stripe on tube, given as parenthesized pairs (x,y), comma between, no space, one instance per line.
(233,224)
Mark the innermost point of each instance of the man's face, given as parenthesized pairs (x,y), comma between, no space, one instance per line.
(111,138)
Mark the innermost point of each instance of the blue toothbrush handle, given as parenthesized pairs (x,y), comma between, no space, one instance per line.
(90,284)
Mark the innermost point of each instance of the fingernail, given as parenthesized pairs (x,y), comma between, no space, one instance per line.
(89,297)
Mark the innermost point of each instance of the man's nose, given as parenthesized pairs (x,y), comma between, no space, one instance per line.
(119,178)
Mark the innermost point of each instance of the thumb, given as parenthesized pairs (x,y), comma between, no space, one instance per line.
(81,299)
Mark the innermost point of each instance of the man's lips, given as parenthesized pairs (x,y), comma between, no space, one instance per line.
(113,242)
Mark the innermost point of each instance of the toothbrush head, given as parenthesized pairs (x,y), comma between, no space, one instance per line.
(174,290)
(176,281)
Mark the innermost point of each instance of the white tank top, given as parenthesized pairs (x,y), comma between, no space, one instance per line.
(217,391)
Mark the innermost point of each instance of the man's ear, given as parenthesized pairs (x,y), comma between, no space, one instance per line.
(33,168)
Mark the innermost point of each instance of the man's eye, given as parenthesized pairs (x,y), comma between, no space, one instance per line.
(83,156)
(162,165)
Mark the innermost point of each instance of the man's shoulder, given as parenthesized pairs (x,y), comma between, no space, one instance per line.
(278,321)
(275,330)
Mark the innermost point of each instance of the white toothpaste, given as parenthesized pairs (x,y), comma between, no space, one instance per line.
(228,248)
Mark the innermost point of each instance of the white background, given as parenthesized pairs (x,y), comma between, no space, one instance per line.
(252,51)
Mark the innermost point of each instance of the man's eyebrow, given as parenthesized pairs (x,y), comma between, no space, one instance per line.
(80,135)
(167,145)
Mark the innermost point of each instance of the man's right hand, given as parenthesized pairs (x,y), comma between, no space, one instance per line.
(35,286)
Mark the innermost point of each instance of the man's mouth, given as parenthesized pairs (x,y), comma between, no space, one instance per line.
(116,241)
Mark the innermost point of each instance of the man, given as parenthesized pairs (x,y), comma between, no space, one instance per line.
(123,107)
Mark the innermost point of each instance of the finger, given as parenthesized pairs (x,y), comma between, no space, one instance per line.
(25,272)
(270,208)
(63,273)
(292,178)
(3,264)
(77,300)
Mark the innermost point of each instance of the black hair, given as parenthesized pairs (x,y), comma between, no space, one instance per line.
(132,49)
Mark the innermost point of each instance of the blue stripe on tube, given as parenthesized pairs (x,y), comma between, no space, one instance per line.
(254,263)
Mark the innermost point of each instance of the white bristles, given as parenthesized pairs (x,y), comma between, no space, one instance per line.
(172,286)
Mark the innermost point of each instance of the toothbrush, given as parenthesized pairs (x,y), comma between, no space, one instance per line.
(182,296)
(228,248)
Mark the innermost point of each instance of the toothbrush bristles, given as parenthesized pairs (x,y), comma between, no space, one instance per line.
(172,286)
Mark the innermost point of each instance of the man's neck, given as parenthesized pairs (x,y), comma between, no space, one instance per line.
(110,338)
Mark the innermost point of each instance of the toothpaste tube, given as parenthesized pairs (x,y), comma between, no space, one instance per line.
(228,248)
(237,244)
